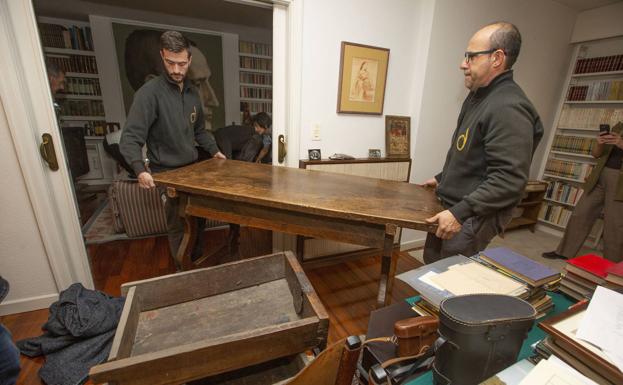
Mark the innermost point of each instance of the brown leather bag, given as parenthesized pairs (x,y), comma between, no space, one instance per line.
(414,334)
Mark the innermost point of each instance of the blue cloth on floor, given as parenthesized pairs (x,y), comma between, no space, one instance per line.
(78,335)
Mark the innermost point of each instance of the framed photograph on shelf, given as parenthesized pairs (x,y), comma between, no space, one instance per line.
(397,136)
(374,153)
(314,154)
(363,74)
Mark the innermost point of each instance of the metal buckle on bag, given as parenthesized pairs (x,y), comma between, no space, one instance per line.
(498,332)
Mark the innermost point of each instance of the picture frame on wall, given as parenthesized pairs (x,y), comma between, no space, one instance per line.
(397,136)
(363,76)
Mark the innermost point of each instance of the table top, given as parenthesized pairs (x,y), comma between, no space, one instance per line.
(328,194)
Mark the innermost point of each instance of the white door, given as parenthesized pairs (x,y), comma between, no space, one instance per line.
(27,104)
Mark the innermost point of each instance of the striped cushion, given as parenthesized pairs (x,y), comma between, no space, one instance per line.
(140,211)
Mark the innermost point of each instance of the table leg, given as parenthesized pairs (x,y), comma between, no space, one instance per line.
(388,270)
(188,241)
(234,241)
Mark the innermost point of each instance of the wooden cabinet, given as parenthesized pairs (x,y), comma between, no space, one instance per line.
(527,211)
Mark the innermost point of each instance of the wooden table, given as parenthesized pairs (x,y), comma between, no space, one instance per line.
(352,209)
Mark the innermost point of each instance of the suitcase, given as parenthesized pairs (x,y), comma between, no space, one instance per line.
(137,211)
(480,335)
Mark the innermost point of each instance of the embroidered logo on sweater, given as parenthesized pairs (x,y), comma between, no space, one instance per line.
(461,141)
(193,115)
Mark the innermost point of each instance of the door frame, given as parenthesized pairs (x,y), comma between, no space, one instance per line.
(27,100)
(26,97)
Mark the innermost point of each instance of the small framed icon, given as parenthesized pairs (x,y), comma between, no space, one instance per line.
(374,153)
(314,154)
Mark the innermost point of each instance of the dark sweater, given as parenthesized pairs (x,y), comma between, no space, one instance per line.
(169,121)
(489,159)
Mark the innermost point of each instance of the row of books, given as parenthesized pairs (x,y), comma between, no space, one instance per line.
(75,63)
(568,169)
(580,118)
(257,93)
(100,128)
(494,271)
(59,36)
(253,78)
(81,107)
(556,214)
(563,192)
(599,64)
(82,86)
(255,107)
(573,144)
(604,90)
(255,48)
(254,63)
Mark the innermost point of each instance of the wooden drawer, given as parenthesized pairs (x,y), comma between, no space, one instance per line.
(204,322)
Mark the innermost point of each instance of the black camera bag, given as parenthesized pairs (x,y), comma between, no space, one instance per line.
(480,334)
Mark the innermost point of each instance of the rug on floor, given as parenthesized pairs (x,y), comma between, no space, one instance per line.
(99,228)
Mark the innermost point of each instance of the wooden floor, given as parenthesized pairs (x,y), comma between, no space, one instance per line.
(347,290)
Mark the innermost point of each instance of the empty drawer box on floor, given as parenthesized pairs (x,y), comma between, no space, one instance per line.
(204,322)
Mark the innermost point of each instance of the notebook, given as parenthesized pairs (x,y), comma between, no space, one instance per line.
(534,273)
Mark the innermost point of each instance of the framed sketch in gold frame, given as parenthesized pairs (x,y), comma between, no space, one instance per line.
(397,136)
(363,74)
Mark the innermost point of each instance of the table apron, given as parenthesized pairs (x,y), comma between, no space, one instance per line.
(287,221)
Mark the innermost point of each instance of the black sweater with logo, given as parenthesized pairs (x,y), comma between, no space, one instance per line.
(169,121)
(488,163)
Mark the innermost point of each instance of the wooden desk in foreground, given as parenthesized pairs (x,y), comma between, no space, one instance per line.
(352,209)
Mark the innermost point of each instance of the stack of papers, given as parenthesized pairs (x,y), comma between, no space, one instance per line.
(457,275)
(553,371)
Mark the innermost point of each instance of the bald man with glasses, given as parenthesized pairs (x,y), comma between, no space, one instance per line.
(488,162)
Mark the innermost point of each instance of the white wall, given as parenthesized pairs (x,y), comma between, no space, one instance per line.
(540,70)
(599,23)
(390,24)
(22,254)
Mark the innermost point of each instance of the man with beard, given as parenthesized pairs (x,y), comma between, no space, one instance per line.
(167,116)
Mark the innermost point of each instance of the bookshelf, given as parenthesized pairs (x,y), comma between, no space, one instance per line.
(593,95)
(256,92)
(69,45)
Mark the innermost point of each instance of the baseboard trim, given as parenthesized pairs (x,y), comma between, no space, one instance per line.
(410,245)
(27,304)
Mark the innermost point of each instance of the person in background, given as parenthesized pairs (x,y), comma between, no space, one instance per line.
(487,166)
(9,354)
(603,192)
(167,116)
(56,78)
(246,143)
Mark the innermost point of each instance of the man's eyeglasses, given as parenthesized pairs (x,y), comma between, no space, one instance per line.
(469,56)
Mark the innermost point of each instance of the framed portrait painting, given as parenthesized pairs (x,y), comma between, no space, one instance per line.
(363,74)
(397,136)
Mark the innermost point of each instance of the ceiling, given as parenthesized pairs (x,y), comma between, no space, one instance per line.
(584,5)
(232,13)
(214,10)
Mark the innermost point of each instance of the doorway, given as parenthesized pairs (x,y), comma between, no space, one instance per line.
(66,259)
